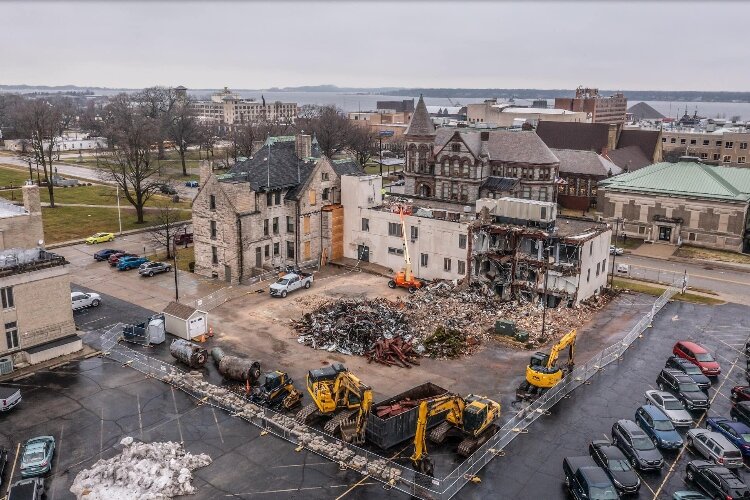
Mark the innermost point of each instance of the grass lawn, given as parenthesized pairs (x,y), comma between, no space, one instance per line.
(184,257)
(100,195)
(656,290)
(71,223)
(709,254)
(13,176)
(627,244)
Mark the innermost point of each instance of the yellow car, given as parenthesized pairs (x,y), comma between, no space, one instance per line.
(100,238)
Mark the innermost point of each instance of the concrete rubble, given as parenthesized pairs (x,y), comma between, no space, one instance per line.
(147,471)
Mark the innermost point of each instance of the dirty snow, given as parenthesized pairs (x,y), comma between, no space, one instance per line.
(146,471)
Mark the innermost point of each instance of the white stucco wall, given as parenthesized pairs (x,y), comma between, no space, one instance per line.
(594,252)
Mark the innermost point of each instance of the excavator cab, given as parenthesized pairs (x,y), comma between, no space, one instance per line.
(542,373)
(277,391)
(539,359)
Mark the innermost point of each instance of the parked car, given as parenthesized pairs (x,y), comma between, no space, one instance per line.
(740,393)
(100,238)
(151,268)
(80,300)
(167,189)
(737,432)
(659,428)
(688,495)
(636,445)
(127,263)
(697,355)
(37,456)
(587,481)
(115,257)
(183,238)
(740,412)
(715,447)
(613,461)
(690,370)
(683,387)
(623,268)
(613,250)
(192,184)
(671,407)
(717,481)
(9,398)
(105,254)
(289,283)
(27,489)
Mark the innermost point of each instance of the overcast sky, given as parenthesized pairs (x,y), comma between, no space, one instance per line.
(631,45)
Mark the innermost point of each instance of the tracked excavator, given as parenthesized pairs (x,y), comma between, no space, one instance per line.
(339,395)
(472,417)
(542,373)
(277,392)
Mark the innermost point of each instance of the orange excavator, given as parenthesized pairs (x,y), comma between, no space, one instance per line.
(405,278)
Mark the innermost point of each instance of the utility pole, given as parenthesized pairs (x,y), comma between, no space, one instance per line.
(174,270)
(614,254)
(380,138)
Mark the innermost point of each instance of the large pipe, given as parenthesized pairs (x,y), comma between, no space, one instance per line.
(189,353)
(236,368)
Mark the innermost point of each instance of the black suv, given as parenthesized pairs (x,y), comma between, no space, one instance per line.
(716,481)
(741,412)
(689,369)
(587,481)
(614,463)
(684,389)
(636,445)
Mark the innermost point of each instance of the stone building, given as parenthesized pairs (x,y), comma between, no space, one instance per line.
(35,308)
(228,109)
(611,109)
(722,146)
(681,203)
(580,171)
(507,115)
(280,207)
(451,165)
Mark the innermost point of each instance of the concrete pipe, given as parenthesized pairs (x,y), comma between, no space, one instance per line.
(189,353)
(236,368)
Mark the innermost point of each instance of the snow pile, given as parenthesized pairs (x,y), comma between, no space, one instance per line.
(146,471)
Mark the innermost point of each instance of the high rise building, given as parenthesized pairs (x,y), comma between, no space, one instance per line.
(603,109)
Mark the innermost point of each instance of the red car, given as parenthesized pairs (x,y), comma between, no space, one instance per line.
(115,258)
(697,355)
(740,393)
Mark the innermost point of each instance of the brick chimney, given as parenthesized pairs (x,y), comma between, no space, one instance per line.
(204,172)
(303,145)
(484,137)
(612,135)
(31,201)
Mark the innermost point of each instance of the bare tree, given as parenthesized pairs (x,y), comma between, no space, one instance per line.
(167,225)
(328,124)
(42,122)
(158,103)
(363,142)
(206,139)
(183,129)
(130,164)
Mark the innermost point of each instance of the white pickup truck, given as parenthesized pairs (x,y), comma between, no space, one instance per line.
(291,282)
(9,397)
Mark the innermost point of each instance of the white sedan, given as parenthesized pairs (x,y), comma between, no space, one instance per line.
(671,407)
(80,300)
(613,250)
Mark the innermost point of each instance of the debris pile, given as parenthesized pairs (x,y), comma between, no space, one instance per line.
(394,351)
(147,471)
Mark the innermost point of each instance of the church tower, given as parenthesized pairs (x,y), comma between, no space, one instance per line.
(419,170)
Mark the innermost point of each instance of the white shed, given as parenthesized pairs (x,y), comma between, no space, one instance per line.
(185,321)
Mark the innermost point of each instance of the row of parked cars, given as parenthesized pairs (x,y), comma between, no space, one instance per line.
(36,462)
(637,445)
(125,261)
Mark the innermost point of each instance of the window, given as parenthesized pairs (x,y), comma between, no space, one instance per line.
(461,241)
(311,196)
(446,264)
(265,227)
(213,229)
(212,202)
(727,159)
(461,267)
(682,141)
(597,268)
(394,229)
(716,156)
(214,256)
(306,225)
(705,142)
(289,224)
(691,236)
(7,297)
(641,229)
(289,249)
(267,251)
(718,143)
(693,141)
(604,265)
(456,147)
(743,145)
(269,199)
(423,258)
(325,193)
(526,193)
(414,232)
(591,248)
(673,140)
(395,251)
(663,139)
(324,176)
(704,156)
(277,198)
(11,335)
(729,144)
(275,225)
(740,159)
(588,275)
(365,224)
(275,249)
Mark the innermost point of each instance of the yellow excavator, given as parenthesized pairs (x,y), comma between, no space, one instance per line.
(473,417)
(543,372)
(340,395)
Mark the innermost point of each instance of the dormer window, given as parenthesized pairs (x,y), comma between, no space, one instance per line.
(456,147)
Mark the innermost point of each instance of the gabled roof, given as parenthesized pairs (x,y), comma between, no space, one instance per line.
(502,145)
(643,111)
(574,135)
(178,310)
(646,140)
(629,159)
(687,179)
(585,163)
(420,123)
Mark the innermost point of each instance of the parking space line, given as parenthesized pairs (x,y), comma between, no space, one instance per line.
(101,430)
(13,469)
(303,465)
(179,427)
(58,452)
(289,490)
(213,411)
(731,347)
(140,419)
(644,483)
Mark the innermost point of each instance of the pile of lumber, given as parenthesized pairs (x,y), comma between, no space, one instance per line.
(393,351)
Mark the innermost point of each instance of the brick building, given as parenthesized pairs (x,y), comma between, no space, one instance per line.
(722,146)
(452,165)
(603,109)
(280,207)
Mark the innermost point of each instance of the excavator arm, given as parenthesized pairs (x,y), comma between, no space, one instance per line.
(569,341)
(407,258)
(454,405)
(352,394)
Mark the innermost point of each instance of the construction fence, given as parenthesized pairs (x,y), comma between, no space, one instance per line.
(391,474)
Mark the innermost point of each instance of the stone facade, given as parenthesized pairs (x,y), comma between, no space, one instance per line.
(717,147)
(22,227)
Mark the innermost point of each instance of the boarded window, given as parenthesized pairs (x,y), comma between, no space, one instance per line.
(307,250)
(311,195)
(306,225)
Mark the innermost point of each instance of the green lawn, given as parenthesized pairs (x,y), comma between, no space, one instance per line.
(70,223)
(99,195)
(658,290)
(627,244)
(13,176)
(709,254)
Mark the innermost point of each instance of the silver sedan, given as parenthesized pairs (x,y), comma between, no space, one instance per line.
(671,407)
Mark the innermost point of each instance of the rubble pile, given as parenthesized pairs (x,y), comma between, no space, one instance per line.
(394,351)
(147,471)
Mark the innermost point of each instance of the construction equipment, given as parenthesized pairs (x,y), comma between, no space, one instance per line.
(472,417)
(338,394)
(277,391)
(542,373)
(405,278)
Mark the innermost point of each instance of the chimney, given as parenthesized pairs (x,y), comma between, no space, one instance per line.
(204,172)
(612,134)
(31,198)
(303,145)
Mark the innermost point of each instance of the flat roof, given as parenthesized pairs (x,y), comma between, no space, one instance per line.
(8,209)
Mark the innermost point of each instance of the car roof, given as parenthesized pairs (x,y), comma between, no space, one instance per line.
(682,377)
(744,404)
(680,361)
(696,348)
(662,394)
(630,426)
(609,450)
(654,412)
(595,476)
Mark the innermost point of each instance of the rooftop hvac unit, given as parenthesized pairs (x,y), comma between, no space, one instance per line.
(6,365)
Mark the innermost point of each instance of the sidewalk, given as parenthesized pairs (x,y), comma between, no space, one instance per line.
(654,251)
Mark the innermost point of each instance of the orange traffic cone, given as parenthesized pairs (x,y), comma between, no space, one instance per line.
(247,387)
(210,331)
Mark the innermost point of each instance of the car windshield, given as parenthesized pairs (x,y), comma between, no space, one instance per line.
(691,369)
(33,456)
(689,387)
(672,404)
(663,425)
(704,357)
(283,282)
(642,443)
(745,437)
(603,493)
(618,465)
